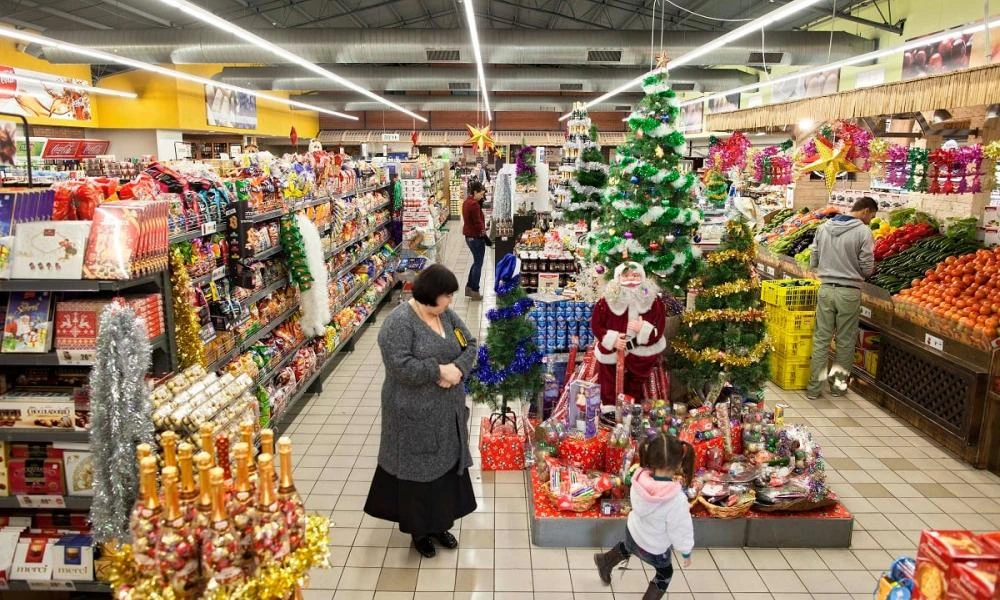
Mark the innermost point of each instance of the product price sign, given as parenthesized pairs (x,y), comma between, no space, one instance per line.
(33,501)
(209,227)
(548,282)
(770,270)
(866,312)
(51,585)
(80,358)
(934,342)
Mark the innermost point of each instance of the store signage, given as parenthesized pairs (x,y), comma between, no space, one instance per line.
(93,148)
(934,342)
(31,501)
(49,99)
(61,149)
(390,137)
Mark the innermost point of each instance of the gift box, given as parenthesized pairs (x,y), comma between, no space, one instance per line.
(736,437)
(614,456)
(586,454)
(971,581)
(704,450)
(73,558)
(500,447)
(939,551)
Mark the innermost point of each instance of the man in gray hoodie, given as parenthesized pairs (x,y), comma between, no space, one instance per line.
(842,257)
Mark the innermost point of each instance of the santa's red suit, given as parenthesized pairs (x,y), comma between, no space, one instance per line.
(610,319)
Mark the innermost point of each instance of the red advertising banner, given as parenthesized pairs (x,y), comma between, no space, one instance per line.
(60,148)
(93,148)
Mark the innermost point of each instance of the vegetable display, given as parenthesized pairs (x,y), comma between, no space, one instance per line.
(898,272)
(786,242)
(791,225)
(777,220)
(901,239)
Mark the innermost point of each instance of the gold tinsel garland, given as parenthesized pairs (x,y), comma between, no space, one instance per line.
(190,349)
(725,289)
(722,314)
(274,582)
(720,256)
(721,357)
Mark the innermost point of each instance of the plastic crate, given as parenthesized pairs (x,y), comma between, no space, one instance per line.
(789,373)
(781,322)
(796,346)
(798,294)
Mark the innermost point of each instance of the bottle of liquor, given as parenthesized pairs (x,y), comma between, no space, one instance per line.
(188,491)
(267,441)
(241,501)
(203,505)
(176,549)
(142,451)
(220,552)
(289,500)
(144,522)
(205,436)
(246,436)
(222,455)
(168,440)
(270,541)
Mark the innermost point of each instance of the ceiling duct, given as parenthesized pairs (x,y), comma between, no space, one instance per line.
(604,56)
(447,103)
(407,46)
(443,56)
(765,58)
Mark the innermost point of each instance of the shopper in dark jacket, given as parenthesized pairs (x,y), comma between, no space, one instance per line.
(474,230)
(422,481)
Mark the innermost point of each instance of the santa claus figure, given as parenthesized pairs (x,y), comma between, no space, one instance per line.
(632,317)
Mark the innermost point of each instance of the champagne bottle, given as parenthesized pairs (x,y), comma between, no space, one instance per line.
(141,452)
(168,440)
(188,491)
(270,533)
(220,544)
(222,455)
(176,550)
(144,522)
(288,497)
(203,504)
(267,441)
(241,502)
(205,435)
(246,436)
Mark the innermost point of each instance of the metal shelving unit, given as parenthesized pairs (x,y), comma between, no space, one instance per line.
(78,285)
(51,434)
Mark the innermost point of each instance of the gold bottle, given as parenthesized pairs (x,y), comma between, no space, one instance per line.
(241,502)
(290,502)
(176,549)
(168,440)
(205,435)
(144,522)
(188,491)
(221,560)
(270,531)
(203,505)
(246,436)
(267,441)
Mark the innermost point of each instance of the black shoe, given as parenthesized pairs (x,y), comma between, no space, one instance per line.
(425,547)
(608,561)
(446,539)
(653,592)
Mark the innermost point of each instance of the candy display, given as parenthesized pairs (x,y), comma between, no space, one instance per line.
(561,324)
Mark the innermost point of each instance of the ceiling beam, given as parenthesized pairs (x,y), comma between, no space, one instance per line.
(35,7)
(348,13)
(550,12)
(23,24)
(896,28)
(139,13)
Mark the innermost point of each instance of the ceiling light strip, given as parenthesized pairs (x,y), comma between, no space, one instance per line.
(224,25)
(105,57)
(68,85)
(470,17)
(847,62)
(740,32)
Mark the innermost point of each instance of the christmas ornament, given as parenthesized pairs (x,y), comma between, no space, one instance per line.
(659,152)
(653,246)
(832,160)
(634,179)
(670,238)
(628,235)
(480,138)
(662,60)
(314,299)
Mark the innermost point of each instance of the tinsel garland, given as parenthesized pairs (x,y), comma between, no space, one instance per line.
(190,349)
(273,582)
(120,418)
(295,253)
(504,286)
(723,314)
(720,256)
(525,166)
(522,362)
(518,309)
(992,150)
(726,289)
(722,358)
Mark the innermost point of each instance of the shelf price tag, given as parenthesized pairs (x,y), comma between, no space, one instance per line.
(866,312)
(760,267)
(770,270)
(76,357)
(787,276)
(51,585)
(934,342)
(219,273)
(209,227)
(33,501)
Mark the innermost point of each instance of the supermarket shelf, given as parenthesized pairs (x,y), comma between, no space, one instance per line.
(265,376)
(95,587)
(266,291)
(343,271)
(267,216)
(52,358)
(46,434)
(264,254)
(187,236)
(348,244)
(76,285)
(213,275)
(223,360)
(310,203)
(361,191)
(72,502)
(266,329)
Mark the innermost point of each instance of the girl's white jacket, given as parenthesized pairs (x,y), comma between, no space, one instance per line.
(660,516)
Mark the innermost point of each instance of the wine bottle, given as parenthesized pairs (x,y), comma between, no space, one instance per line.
(168,441)
(188,491)
(144,522)
(176,549)
(267,441)
(289,500)
(205,436)
(270,533)
(220,553)
(246,436)
(241,502)
(141,452)
(203,504)
(222,455)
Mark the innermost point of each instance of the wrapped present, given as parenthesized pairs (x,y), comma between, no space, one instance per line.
(709,454)
(736,435)
(500,446)
(614,457)
(583,453)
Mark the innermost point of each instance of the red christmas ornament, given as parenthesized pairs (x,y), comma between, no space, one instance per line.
(654,246)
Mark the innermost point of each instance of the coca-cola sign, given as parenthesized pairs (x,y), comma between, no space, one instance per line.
(56,148)
(92,148)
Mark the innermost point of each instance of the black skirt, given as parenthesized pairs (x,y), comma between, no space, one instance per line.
(421,508)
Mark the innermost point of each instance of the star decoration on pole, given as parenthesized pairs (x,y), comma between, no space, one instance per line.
(481,138)
(662,60)
(832,160)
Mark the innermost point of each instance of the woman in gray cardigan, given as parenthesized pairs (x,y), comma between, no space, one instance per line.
(422,481)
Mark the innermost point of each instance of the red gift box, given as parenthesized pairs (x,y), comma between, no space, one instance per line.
(613,458)
(939,551)
(736,435)
(702,448)
(971,581)
(500,447)
(588,455)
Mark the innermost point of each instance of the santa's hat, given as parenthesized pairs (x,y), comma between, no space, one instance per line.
(631,266)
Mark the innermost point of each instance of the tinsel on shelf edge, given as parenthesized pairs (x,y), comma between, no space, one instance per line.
(190,349)
(120,418)
(275,581)
(294,249)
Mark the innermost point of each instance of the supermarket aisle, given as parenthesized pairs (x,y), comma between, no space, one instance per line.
(894,480)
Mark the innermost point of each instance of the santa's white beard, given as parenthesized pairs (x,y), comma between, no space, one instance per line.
(637,299)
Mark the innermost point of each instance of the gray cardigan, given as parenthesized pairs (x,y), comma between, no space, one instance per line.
(425,428)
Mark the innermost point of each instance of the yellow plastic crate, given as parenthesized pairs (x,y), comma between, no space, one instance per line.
(796,294)
(794,346)
(789,373)
(789,322)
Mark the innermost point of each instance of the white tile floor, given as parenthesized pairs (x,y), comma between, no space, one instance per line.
(895,480)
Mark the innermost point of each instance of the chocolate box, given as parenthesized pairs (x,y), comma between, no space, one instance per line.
(971,581)
(938,551)
(33,559)
(4,487)
(36,411)
(73,558)
(8,547)
(79,473)
(36,476)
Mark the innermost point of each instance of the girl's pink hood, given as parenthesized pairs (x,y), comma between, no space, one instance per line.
(652,491)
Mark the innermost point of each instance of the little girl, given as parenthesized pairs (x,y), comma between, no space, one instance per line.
(660,516)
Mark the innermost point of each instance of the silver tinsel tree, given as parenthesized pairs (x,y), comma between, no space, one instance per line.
(120,418)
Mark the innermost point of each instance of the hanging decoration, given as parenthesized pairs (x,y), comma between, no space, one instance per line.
(295,253)
(315,299)
(120,420)
(729,153)
(190,349)
(952,166)
(716,188)
(524,169)
(772,165)
(831,159)
(480,138)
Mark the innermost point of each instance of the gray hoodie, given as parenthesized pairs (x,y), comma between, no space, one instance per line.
(842,252)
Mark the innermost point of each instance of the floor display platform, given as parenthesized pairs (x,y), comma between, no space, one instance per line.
(825,528)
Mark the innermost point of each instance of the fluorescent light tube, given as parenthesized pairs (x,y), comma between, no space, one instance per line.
(105,57)
(847,62)
(740,32)
(67,85)
(224,25)
(470,17)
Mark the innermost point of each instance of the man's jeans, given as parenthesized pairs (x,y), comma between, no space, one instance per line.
(478,248)
(837,312)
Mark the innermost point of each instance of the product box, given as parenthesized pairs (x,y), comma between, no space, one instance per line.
(73,558)
(49,249)
(938,551)
(36,411)
(28,326)
(33,559)
(971,581)
(871,362)
(79,473)
(869,340)
(8,547)
(61,521)
(4,487)
(859,357)
(577,419)
(36,476)
(500,446)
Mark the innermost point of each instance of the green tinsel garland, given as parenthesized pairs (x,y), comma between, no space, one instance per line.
(295,253)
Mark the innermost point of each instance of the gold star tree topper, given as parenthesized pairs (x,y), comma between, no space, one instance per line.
(662,60)
(832,160)
(480,138)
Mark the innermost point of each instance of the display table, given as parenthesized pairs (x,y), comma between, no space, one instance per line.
(825,528)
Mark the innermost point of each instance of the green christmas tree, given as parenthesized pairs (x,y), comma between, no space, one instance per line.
(726,332)
(509,365)
(648,215)
(591,176)
(716,188)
